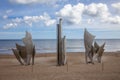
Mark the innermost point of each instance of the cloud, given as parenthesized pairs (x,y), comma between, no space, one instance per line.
(90,21)
(45,18)
(113,20)
(71,14)
(9,11)
(74,14)
(17,20)
(116,6)
(97,10)
(5,17)
(101,11)
(7,26)
(33,1)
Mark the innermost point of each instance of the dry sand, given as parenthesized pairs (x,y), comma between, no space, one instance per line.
(45,68)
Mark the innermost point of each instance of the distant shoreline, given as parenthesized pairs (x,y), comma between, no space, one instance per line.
(39,53)
(50,45)
(53,54)
(68,39)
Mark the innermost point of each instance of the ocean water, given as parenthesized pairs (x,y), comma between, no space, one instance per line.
(49,45)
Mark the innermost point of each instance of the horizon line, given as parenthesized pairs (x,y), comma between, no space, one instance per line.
(56,38)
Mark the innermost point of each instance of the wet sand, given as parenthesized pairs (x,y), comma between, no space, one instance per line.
(45,68)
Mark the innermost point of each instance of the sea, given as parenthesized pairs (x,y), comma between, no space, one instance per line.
(49,45)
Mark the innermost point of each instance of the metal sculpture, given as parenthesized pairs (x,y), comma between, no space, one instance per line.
(61,49)
(91,50)
(88,41)
(26,52)
(99,50)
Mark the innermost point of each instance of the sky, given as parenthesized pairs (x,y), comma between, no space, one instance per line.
(40,17)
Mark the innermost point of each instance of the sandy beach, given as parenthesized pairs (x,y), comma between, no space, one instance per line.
(45,68)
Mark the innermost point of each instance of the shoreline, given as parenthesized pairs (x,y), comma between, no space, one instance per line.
(54,54)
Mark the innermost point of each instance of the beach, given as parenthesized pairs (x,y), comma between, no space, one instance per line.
(60,40)
(45,68)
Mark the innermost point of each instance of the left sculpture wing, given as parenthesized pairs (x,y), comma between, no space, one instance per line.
(88,40)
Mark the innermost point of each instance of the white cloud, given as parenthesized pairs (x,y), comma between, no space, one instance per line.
(7,26)
(30,19)
(5,17)
(101,11)
(17,20)
(71,14)
(97,10)
(9,11)
(90,21)
(45,18)
(74,13)
(117,7)
(33,1)
(113,20)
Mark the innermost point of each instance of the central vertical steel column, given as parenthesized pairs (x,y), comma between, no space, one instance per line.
(61,52)
(59,43)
